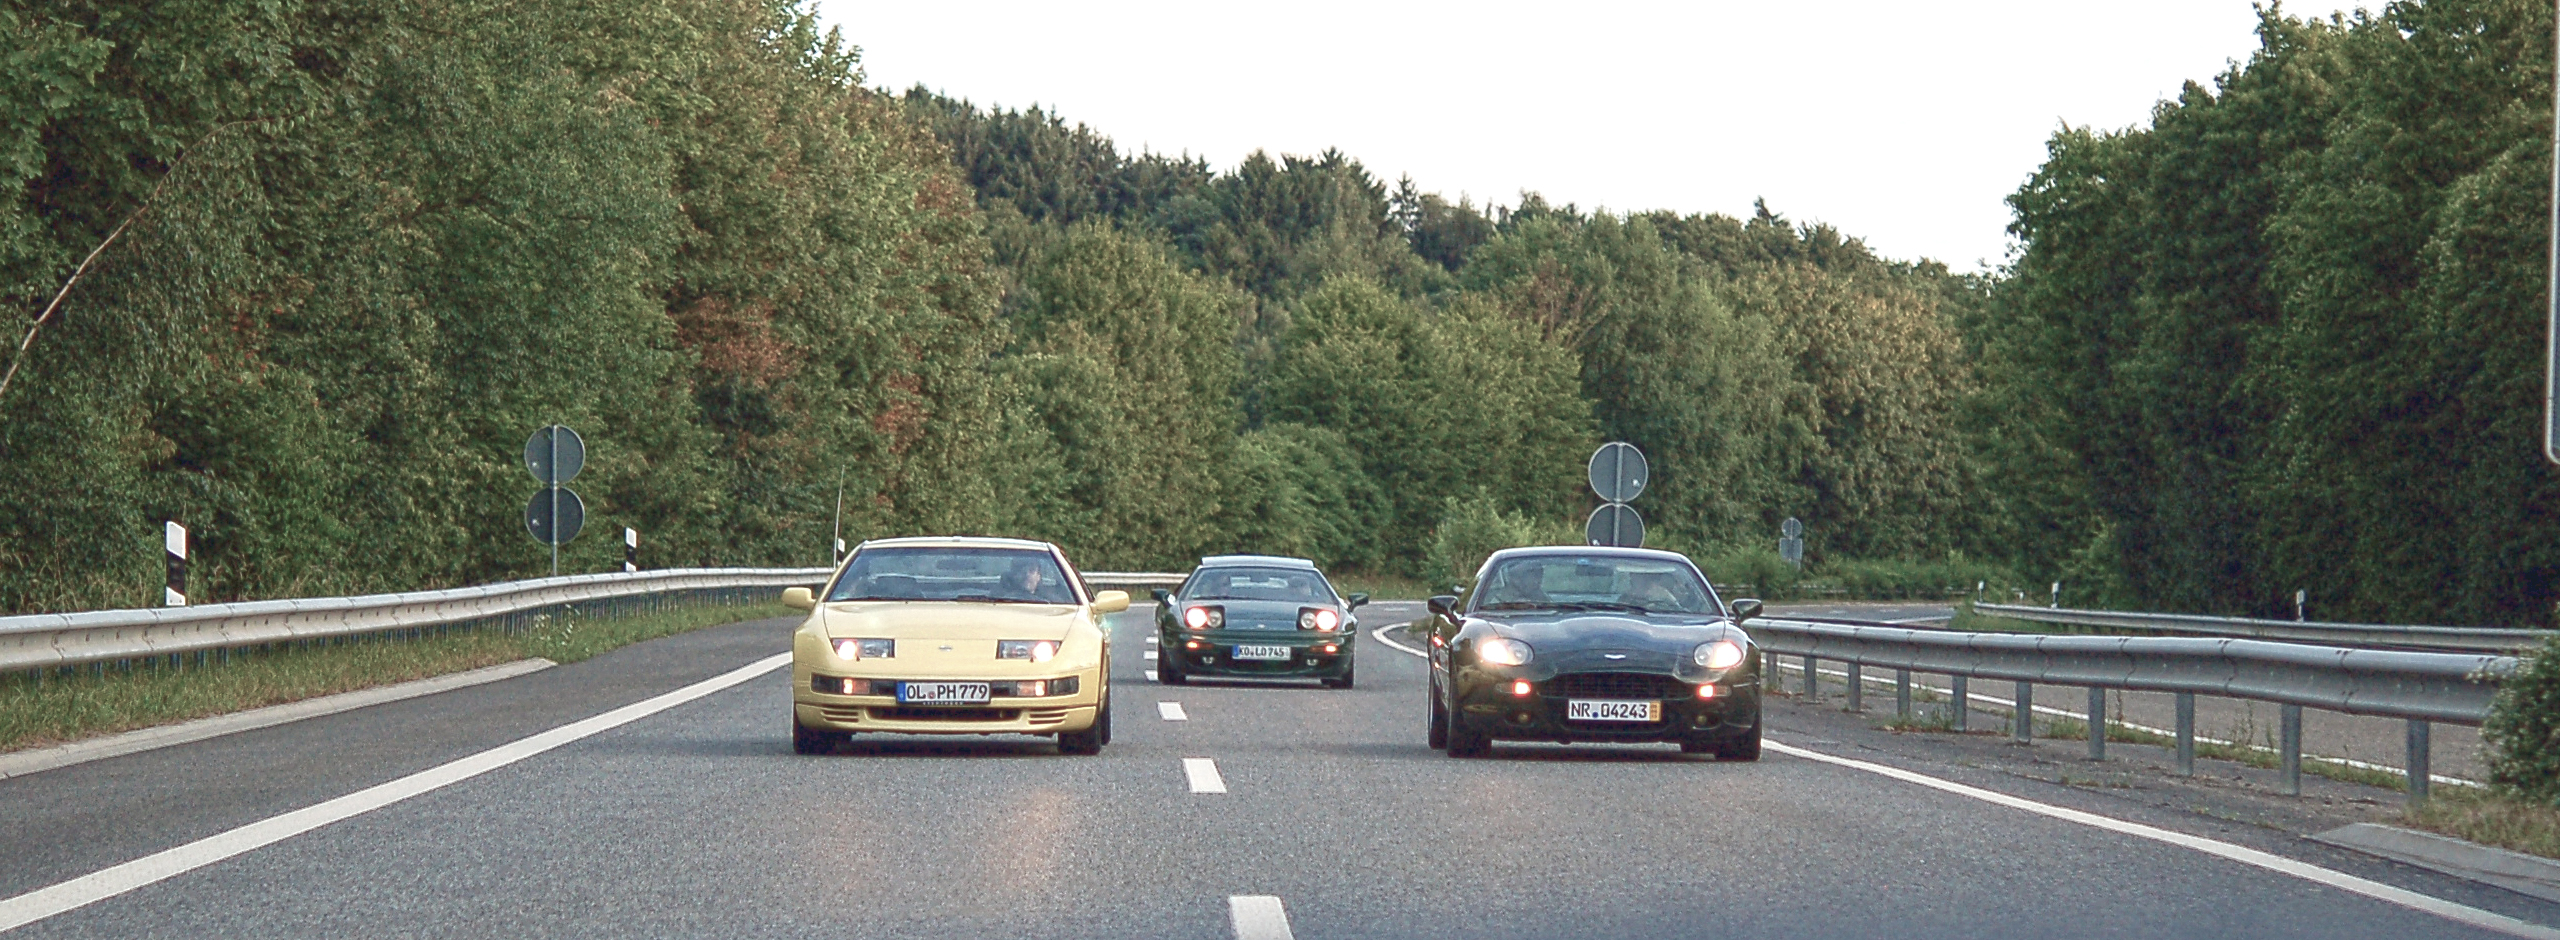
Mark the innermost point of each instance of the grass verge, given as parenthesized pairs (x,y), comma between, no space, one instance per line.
(38,711)
(1383,587)
(2489,818)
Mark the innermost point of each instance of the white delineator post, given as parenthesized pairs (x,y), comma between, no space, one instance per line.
(174,540)
(630,549)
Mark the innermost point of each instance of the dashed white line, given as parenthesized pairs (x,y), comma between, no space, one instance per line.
(2242,854)
(1204,775)
(106,883)
(1151,639)
(1151,675)
(1151,656)
(1172,711)
(1259,917)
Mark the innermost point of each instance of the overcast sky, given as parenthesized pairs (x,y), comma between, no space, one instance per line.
(1901,123)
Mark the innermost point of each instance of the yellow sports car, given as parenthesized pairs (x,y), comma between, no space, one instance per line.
(953,636)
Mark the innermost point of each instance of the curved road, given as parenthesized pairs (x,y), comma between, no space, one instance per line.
(695,820)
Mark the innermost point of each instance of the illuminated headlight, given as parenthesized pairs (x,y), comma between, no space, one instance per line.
(854,648)
(1205,618)
(1504,651)
(1038,651)
(1721,654)
(1318,618)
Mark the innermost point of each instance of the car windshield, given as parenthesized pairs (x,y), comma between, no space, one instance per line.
(1594,582)
(1002,575)
(1300,585)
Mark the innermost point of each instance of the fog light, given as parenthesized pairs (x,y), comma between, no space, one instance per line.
(1329,647)
(1519,686)
(1706,691)
(1191,644)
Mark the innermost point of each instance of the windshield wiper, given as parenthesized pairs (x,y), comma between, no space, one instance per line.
(1518,605)
(1604,605)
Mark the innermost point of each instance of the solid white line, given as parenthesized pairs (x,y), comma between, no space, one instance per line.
(1151,675)
(2247,856)
(1204,775)
(1259,917)
(23,763)
(1381,634)
(106,883)
(1151,656)
(1172,711)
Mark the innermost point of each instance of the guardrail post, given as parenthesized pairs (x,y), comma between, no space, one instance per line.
(2418,773)
(1771,679)
(1902,694)
(2022,718)
(2186,734)
(2097,723)
(1812,680)
(1962,701)
(2289,748)
(1857,688)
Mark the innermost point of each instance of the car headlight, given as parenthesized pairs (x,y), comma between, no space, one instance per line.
(1504,651)
(1721,654)
(1038,651)
(866,648)
(1205,618)
(1318,618)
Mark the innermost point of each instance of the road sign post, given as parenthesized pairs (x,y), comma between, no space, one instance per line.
(1617,473)
(554,455)
(1791,543)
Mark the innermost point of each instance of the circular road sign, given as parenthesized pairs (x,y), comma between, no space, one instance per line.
(555,454)
(1791,528)
(549,528)
(1616,525)
(1618,472)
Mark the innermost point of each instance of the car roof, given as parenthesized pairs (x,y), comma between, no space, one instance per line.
(956,541)
(1268,561)
(1653,553)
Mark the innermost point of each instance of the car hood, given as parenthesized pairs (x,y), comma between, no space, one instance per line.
(1259,615)
(949,620)
(1552,633)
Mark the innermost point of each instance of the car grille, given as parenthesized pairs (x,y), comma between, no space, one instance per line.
(1632,685)
(1045,716)
(937,713)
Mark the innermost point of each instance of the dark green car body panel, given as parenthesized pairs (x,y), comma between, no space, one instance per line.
(1207,653)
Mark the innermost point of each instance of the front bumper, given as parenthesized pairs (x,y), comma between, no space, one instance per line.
(1051,714)
(1312,655)
(1490,708)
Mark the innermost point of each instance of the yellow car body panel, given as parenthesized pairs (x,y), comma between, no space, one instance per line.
(950,640)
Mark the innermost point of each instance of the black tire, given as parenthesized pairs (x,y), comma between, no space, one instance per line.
(1438,733)
(1090,740)
(1347,669)
(805,741)
(1745,747)
(1168,668)
(1468,742)
(1697,747)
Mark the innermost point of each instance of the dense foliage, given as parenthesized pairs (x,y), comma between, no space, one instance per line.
(2285,335)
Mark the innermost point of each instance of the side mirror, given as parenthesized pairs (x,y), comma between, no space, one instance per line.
(1110,602)
(799,598)
(1445,606)
(1746,609)
(1354,601)
(1161,595)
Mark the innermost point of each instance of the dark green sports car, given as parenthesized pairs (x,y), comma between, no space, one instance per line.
(1256,616)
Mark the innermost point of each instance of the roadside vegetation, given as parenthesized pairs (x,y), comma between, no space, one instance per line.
(54,708)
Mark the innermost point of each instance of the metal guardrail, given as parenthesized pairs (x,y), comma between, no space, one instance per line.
(48,641)
(2472,639)
(2419,687)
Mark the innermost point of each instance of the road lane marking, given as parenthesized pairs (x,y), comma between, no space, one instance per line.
(1204,775)
(1151,639)
(1381,634)
(1259,917)
(106,883)
(1151,656)
(2247,856)
(1172,711)
(1151,675)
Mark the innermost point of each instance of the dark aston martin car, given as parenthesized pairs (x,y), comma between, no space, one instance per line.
(1259,616)
(1569,644)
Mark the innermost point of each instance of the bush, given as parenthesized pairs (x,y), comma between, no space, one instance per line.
(1475,527)
(2522,735)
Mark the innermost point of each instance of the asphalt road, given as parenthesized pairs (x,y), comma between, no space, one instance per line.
(698,821)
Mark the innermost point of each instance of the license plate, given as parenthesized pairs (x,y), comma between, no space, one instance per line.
(1262,652)
(943,693)
(1584,709)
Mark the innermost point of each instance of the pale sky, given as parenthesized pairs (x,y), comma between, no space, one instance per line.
(1901,123)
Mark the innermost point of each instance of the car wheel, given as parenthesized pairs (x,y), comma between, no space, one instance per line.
(1090,740)
(1345,681)
(1438,732)
(1468,742)
(805,741)
(1168,668)
(1745,747)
